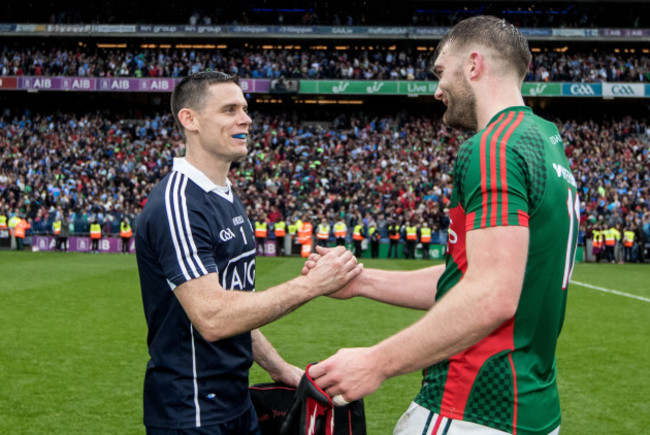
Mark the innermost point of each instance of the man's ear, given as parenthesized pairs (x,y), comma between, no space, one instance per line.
(475,64)
(188,119)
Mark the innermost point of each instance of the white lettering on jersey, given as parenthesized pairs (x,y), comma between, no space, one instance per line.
(235,283)
(453,237)
(563,172)
(555,139)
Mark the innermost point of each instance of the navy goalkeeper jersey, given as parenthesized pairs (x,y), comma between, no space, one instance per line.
(191,227)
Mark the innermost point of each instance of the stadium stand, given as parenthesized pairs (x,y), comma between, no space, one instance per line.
(246,62)
(96,153)
(543,13)
(381,166)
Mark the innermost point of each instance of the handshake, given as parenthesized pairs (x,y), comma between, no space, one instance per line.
(331,272)
(348,375)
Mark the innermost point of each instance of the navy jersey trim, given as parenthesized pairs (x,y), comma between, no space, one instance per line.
(195,382)
(179,227)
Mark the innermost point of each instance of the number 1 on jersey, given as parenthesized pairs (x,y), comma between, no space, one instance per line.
(573,207)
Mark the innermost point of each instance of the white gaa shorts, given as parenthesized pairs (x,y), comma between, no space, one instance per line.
(419,420)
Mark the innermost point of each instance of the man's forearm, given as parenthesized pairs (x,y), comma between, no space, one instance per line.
(412,289)
(461,319)
(486,297)
(218,314)
(264,353)
(270,360)
(234,312)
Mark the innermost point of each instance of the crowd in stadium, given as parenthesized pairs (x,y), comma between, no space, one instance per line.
(336,13)
(300,64)
(366,169)
(370,169)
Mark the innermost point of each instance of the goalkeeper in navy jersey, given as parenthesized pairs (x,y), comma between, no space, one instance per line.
(196,259)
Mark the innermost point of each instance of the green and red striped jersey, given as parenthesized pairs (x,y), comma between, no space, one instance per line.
(514,172)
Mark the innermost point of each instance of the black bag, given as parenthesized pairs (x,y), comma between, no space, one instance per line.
(272,402)
(283,410)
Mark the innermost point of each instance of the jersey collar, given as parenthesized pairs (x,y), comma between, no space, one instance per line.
(200,179)
(510,109)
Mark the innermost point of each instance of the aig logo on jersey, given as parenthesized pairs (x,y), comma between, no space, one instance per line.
(226,234)
(239,274)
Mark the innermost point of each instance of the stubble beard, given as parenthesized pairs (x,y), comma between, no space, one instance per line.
(461,110)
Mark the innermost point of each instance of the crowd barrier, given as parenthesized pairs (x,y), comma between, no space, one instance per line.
(436,252)
(80,244)
(268,249)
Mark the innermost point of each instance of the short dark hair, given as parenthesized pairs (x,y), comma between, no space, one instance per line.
(191,90)
(492,32)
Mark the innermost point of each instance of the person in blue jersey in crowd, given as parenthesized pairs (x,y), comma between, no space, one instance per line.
(196,260)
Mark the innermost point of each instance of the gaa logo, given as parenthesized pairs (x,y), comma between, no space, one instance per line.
(582,90)
(623,90)
(226,235)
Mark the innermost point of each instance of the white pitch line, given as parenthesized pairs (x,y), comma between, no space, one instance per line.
(606,290)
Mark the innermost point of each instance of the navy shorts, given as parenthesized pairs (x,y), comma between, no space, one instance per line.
(245,424)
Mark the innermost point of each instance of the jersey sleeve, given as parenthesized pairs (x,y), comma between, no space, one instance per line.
(183,244)
(493,181)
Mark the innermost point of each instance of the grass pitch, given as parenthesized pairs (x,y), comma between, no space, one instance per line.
(73,344)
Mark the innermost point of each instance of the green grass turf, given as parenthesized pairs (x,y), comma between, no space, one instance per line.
(73,345)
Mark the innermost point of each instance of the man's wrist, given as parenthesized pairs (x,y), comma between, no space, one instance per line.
(362,284)
(307,287)
(384,363)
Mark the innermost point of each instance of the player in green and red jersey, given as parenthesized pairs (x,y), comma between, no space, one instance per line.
(487,343)
(512,173)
